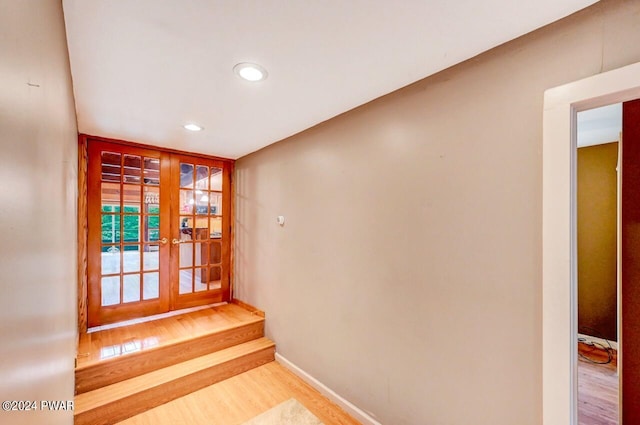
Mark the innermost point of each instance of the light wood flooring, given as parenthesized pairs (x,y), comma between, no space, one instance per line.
(597,388)
(242,397)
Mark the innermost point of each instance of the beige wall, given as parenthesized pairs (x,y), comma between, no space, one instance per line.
(38,159)
(597,243)
(407,277)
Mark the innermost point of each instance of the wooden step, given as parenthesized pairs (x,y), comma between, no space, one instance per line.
(175,340)
(124,399)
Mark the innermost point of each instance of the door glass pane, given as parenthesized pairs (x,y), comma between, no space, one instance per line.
(202,254)
(151,257)
(131,228)
(110,228)
(110,197)
(132,198)
(202,182)
(151,200)
(215,228)
(131,258)
(186,281)
(215,201)
(186,254)
(131,288)
(202,203)
(201,229)
(110,164)
(110,288)
(186,228)
(151,171)
(186,175)
(110,257)
(151,286)
(187,201)
(201,280)
(216,179)
(132,169)
(216,252)
(215,274)
(152,228)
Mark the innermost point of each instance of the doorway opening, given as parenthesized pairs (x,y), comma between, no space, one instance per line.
(598,180)
(559,256)
(158,234)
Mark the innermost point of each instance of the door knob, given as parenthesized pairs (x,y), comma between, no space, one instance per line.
(164,241)
(176,241)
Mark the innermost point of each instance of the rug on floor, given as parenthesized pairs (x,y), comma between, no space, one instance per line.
(291,412)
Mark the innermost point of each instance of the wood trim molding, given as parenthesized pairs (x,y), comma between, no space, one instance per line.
(154,147)
(366,418)
(248,307)
(83,229)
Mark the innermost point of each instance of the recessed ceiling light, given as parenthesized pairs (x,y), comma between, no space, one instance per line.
(250,71)
(193,127)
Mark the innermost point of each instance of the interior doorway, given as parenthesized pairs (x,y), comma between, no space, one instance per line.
(598,181)
(559,267)
(159,231)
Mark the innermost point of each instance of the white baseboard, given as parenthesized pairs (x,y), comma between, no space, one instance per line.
(590,338)
(357,413)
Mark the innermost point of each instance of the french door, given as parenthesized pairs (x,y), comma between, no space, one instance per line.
(158,231)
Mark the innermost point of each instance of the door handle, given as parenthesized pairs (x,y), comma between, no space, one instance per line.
(164,241)
(175,241)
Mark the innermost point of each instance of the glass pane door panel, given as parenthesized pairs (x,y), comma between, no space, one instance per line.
(216,179)
(131,228)
(132,169)
(110,193)
(110,260)
(215,202)
(201,254)
(151,286)
(186,281)
(151,257)
(110,228)
(110,166)
(187,201)
(201,281)
(215,249)
(132,198)
(186,254)
(131,288)
(202,203)
(151,171)
(215,276)
(110,289)
(151,200)
(186,175)
(215,228)
(202,182)
(152,228)
(131,258)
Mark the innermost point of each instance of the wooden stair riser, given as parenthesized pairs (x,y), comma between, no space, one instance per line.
(121,368)
(139,402)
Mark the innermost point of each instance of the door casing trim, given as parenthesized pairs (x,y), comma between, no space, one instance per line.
(559,230)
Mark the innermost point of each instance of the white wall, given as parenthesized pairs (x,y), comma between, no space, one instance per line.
(38,157)
(407,277)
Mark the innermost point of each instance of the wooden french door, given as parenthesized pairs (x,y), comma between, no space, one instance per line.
(158,231)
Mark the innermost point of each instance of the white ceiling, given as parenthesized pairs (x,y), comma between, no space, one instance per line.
(143,68)
(599,125)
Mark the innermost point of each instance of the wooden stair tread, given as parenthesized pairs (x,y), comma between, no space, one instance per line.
(166,332)
(120,390)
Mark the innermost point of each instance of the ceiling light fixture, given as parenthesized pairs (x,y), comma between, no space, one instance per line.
(250,71)
(193,127)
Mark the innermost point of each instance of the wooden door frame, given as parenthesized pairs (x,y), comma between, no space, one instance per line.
(83,219)
(559,229)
